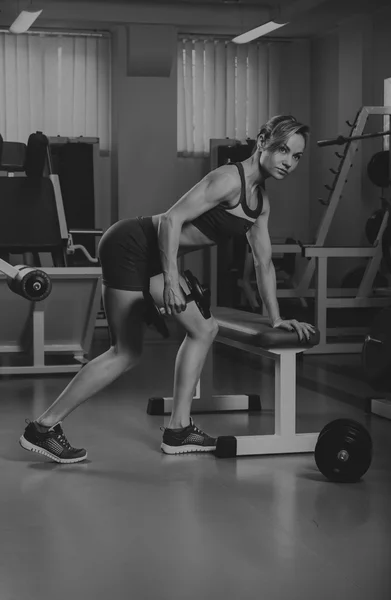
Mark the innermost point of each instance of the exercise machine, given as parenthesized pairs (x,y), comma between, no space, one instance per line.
(54,334)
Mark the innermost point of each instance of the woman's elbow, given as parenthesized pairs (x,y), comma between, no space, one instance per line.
(263,263)
(169,220)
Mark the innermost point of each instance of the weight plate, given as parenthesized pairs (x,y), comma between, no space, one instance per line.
(344,423)
(200,294)
(343,455)
(379,169)
(36,285)
(153,316)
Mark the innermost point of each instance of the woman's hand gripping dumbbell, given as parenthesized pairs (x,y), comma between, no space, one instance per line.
(199,294)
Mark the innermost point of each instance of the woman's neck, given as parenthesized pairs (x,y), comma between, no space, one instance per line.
(254,175)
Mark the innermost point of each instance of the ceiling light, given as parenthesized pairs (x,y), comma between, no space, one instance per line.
(253,34)
(24,21)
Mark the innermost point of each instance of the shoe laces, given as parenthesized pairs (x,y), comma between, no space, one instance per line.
(195,428)
(61,438)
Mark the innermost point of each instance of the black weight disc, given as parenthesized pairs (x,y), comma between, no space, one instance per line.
(343,455)
(36,285)
(200,294)
(379,169)
(386,246)
(153,316)
(336,424)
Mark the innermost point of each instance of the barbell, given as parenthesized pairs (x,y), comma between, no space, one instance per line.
(30,283)
(342,139)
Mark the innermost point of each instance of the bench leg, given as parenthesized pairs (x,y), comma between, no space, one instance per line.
(204,399)
(285,439)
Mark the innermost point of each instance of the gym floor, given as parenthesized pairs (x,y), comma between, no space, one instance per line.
(133,523)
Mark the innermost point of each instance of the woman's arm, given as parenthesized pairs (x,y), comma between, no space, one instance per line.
(245,282)
(259,240)
(218,186)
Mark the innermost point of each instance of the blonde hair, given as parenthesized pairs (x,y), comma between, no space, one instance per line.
(278,129)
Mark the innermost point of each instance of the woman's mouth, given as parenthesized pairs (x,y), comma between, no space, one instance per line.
(282,171)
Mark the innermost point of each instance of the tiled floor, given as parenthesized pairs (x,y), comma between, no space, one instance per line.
(133,523)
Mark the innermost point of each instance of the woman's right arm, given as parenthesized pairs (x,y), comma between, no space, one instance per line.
(215,188)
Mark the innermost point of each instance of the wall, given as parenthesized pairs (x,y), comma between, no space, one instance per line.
(143,173)
(342,82)
(332,77)
(329,79)
(146,174)
(290,198)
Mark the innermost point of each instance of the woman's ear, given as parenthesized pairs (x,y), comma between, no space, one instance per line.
(261,142)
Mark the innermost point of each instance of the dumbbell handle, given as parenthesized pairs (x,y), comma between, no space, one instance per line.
(188,298)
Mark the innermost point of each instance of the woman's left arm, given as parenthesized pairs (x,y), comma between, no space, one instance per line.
(259,240)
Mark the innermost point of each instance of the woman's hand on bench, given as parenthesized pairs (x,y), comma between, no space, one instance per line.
(303,329)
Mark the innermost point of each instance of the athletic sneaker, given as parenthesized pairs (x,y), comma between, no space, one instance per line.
(189,439)
(51,443)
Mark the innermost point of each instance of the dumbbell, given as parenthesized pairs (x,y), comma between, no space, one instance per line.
(30,283)
(343,452)
(199,293)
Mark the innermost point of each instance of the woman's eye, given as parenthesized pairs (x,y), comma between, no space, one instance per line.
(283,150)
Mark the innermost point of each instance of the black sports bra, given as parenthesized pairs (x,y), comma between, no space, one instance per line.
(218,224)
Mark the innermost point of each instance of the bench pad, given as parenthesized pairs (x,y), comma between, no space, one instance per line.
(254,329)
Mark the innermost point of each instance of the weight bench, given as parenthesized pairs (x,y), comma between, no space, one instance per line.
(252,333)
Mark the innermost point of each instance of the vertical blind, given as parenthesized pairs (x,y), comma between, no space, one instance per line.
(224,90)
(55,83)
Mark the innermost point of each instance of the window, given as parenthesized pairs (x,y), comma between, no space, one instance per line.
(58,83)
(224,90)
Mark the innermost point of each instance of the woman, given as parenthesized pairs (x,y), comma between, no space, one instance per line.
(137,254)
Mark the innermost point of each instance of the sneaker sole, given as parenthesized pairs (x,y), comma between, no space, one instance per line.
(186,449)
(26,445)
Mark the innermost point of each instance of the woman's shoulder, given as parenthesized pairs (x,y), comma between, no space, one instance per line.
(225,175)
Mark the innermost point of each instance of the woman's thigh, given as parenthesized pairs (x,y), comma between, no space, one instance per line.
(124,311)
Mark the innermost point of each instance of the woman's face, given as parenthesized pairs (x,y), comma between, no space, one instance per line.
(283,161)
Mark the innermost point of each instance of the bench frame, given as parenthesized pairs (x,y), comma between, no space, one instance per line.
(285,440)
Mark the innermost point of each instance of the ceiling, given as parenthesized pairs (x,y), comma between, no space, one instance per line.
(318,17)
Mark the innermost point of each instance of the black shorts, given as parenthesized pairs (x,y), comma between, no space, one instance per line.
(129,254)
